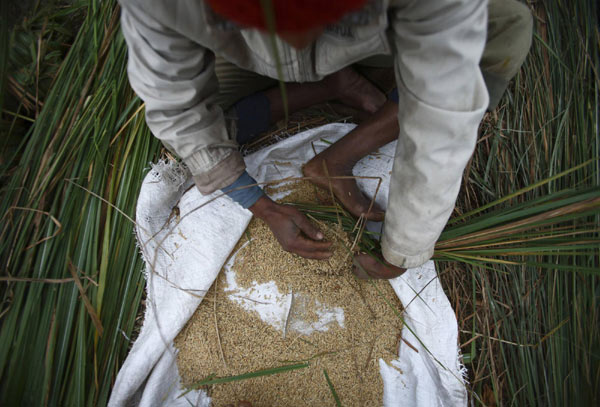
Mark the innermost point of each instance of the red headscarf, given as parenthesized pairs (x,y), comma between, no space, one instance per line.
(290,15)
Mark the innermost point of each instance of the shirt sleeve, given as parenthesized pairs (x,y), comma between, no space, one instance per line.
(244,191)
(441,100)
(175,78)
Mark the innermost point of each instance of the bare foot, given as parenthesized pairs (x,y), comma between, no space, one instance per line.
(366,267)
(345,190)
(355,90)
(356,115)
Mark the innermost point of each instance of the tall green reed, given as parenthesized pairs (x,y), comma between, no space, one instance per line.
(51,352)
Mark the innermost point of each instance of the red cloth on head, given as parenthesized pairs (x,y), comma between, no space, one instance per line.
(290,15)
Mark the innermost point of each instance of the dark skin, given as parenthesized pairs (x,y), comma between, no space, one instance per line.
(345,85)
(378,130)
(291,228)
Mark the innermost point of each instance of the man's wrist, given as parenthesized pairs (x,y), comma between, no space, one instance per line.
(261,207)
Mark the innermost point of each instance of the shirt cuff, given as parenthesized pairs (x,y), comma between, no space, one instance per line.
(392,255)
(223,173)
(241,191)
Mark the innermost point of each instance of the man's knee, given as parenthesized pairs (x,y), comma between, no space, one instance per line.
(510,29)
(510,15)
(522,27)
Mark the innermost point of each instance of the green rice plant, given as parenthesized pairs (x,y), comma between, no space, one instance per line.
(506,235)
(334,394)
(529,330)
(211,380)
(527,300)
(528,322)
(556,224)
(4,34)
(71,277)
(31,51)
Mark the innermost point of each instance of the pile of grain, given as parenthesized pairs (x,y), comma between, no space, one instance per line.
(224,339)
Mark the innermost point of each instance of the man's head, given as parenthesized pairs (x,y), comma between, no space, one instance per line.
(297,22)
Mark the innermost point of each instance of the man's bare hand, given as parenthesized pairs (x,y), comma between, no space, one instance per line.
(366,267)
(292,229)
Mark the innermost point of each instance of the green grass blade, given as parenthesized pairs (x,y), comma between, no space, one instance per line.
(334,394)
(264,372)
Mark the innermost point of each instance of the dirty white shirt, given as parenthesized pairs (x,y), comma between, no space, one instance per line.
(437,45)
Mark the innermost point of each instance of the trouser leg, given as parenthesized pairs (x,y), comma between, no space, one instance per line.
(379,70)
(236,83)
(246,108)
(252,102)
(510,27)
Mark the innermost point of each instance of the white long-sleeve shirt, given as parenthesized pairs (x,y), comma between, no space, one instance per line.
(436,44)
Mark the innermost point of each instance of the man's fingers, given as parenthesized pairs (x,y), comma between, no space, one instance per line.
(310,249)
(303,243)
(308,228)
(320,255)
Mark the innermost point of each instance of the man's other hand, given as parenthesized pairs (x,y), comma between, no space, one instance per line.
(292,229)
(366,266)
